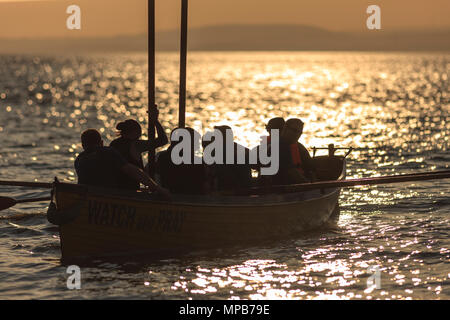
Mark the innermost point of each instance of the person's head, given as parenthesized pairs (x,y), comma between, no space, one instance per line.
(227,139)
(129,129)
(292,130)
(223,129)
(194,137)
(193,134)
(91,139)
(275,123)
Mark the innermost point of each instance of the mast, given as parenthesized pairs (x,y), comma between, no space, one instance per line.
(151,82)
(183,61)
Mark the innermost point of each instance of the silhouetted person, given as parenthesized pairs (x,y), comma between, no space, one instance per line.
(103,166)
(232,176)
(296,164)
(275,123)
(131,147)
(185,178)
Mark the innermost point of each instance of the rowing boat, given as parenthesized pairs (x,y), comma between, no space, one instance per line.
(97,222)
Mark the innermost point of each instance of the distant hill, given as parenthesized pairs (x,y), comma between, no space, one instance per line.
(246,37)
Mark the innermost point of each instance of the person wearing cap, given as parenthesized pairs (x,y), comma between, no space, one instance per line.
(131,147)
(103,166)
(296,164)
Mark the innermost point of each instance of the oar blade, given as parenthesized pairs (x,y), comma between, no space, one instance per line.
(6,202)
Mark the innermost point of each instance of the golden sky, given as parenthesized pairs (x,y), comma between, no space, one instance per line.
(31,19)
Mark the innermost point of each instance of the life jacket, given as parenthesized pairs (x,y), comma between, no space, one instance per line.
(296,158)
(295,155)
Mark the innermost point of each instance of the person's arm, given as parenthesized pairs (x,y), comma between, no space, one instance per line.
(140,176)
(134,172)
(308,162)
(77,168)
(162,137)
(146,145)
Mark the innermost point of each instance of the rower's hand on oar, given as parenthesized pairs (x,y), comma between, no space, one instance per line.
(153,113)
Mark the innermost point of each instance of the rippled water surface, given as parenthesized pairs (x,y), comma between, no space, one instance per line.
(393,106)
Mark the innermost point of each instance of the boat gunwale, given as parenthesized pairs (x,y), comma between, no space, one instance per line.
(224,204)
(290,198)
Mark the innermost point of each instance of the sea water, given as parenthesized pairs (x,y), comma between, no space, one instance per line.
(391,241)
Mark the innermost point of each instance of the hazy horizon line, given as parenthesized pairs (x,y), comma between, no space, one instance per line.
(237,37)
(124,35)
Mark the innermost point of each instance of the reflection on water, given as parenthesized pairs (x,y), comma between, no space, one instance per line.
(395,107)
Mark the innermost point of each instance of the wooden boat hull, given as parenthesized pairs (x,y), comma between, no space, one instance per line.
(96,223)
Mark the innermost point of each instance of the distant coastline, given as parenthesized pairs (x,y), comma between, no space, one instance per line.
(244,38)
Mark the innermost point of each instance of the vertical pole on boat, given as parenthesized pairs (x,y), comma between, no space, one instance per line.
(151,82)
(183,61)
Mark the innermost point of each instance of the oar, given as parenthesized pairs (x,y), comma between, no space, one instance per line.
(342,148)
(6,202)
(26,184)
(350,182)
(416,174)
